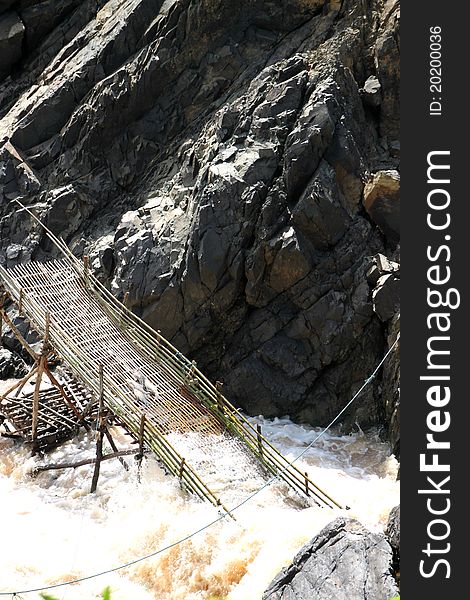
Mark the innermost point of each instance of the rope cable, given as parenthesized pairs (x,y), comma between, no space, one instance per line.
(16,594)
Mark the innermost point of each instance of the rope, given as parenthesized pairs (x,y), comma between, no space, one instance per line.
(15,594)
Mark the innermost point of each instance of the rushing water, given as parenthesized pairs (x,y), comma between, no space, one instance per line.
(53,530)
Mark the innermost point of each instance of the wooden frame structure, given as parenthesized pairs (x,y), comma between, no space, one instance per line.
(135,372)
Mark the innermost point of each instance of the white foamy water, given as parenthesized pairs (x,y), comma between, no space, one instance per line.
(53,530)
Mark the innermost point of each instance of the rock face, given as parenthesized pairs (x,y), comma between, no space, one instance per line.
(392,531)
(210,157)
(384,277)
(382,202)
(11,39)
(391,387)
(344,561)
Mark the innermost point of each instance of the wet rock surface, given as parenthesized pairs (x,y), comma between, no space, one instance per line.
(212,158)
(392,533)
(344,561)
(392,530)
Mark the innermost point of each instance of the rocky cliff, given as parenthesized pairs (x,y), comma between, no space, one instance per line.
(344,561)
(231,169)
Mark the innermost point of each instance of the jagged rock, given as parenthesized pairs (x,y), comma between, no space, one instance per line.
(40,18)
(210,161)
(386,297)
(344,561)
(371,92)
(392,530)
(387,62)
(11,39)
(384,277)
(17,179)
(381,265)
(319,214)
(68,209)
(382,202)
(11,365)
(391,387)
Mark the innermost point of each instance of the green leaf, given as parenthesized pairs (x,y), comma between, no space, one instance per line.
(106,593)
(47,597)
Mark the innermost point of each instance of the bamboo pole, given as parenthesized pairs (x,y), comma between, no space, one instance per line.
(109,437)
(140,455)
(88,461)
(86,269)
(143,418)
(35,415)
(99,434)
(47,328)
(62,392)
(260,440)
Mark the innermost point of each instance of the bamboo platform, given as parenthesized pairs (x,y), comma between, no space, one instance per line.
(137,375)
(57,422)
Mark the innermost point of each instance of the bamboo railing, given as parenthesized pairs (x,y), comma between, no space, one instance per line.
(85,319)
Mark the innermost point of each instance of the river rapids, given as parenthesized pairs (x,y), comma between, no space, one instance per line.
(54,531)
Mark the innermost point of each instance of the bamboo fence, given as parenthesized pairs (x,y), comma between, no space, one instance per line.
(146,382)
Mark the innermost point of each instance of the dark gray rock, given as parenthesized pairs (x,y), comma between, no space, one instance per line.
(40,18)
(344,561)
(392,531)
(11,365)
(382,202)
(11,39)
(386,56)
(210,160)
(391,387)
(386,296)
(319,214)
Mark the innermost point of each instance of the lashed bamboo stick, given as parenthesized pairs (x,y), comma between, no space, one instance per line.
(177,368)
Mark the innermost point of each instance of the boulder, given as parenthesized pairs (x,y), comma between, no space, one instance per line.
(343,562)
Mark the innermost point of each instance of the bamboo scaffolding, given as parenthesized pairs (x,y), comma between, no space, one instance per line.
(88,321)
